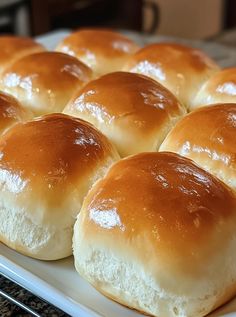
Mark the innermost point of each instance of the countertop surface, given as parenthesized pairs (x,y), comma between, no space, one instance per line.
(222,49)
(7,308)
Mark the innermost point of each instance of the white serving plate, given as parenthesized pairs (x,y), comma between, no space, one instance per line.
(58,283)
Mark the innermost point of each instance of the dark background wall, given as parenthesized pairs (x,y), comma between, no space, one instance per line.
(34,17)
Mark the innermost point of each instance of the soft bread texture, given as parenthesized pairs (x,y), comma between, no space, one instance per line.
(208,136)
(46,168)
(183,70)
(13,48)
(158,234)
(220,88)
(133,111)
(104,51)
(44,82)
(11,112)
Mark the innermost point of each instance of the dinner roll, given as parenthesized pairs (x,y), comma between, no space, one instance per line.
(11,112)
(208,136)
(221,87)
(158,234)
(181,69)
(13,48)
(134,111)
(44,82)
(46,168)
(103,50)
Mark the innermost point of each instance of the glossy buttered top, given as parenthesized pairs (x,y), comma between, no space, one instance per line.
(180,68)
(11,112)
(45,81)
(102,50)
(47,157)
(129,105)
(221,87)
(161,207)
(208,136)
(115,96)
(13,48)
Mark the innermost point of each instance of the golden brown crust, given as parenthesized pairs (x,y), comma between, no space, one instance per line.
(177,208)
(54,150)
(220,88)
(208,136)
(181,69)
(134,111)
(47,167)
(11,112)
(13,48)
(45,81)
(102,50)
(153,227)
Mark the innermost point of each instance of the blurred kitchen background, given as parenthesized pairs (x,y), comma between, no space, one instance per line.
(192,19)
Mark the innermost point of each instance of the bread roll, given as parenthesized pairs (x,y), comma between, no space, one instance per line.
(104,51)
(44,82)
(158,234)
(208,136)
(183,70)
(46,168)
(11,112)
(220,88)
(134,111)
(13,48)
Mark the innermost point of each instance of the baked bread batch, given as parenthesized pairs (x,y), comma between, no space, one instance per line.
(104,155)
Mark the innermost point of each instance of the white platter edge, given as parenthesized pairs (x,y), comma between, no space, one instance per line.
(40,287)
